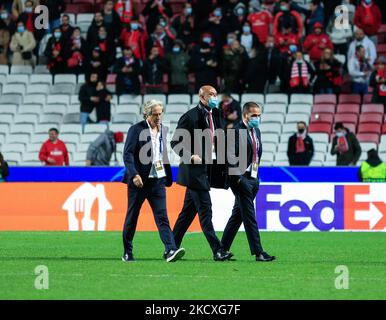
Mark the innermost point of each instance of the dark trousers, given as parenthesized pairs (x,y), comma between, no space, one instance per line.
(196,201)
(155,192)
(244,212)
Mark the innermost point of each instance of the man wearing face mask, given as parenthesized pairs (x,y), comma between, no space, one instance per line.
(300,147)
(346,146)
(184,25)
(177,62)
(55,53)
(288,17)
(244,181)
(361,39)
(6,29)
(22,45)
(161,40)
(196,172)
(134,36)
(204,62)
(261,20)
(368,17)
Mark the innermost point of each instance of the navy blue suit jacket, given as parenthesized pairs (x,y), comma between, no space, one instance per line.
(131,154)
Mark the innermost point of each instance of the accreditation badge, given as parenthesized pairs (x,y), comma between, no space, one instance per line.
(254,170)
(214,157)
(159,169)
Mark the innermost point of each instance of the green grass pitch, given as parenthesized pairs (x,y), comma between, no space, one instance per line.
(87,266)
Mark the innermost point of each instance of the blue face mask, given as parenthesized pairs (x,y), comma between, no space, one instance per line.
(20,29)
(102,37)
(163,23)
(340,134)
(134,26)
(293,48)
(28,10)
(368,1)
(57,35)
(176,49)
(254,122)
(247,29)
(188,11)
(4,16)
(207,40)
(230,41)
(217,13)
(213,102)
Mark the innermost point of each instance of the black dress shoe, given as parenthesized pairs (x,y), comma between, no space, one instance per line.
(222,255)
(128,257)
(174,255)
(264,257)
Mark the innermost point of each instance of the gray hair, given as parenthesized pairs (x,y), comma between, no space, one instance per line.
(250,105)
(149,105)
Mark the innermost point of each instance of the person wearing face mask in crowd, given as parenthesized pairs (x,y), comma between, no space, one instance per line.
(260,20)
(96,64)
(177,62)
(266,61)
(346,146)
(236,15)
(55,8)
(230,110)
(106,45)
(315,43)
(5,36)
(22,45)
(368,17)
(88,99)
(161,40)
(54,53)
(340,37)
(245,158)
(184,25)
(301,75)
(135,37)
(300,147)
(153,71)
(218,27)
(198,170)
(360,39)
(204,62)
(28,16)
(289,19)
(18,7)
(155,10)
(316,14)
(248,39)
(75,53)
(128,69)
(234,61)
(378,82)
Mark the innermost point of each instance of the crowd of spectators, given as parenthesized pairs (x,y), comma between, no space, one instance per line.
(235,45)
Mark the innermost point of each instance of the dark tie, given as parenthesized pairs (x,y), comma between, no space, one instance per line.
(254,144)
(211,127)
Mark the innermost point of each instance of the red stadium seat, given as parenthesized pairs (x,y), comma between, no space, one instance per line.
(384,118)
(347,108)
(323,127)
(322,117)
(371,118)
(373,108)
(111,78)
(325,99)
(369,128)
(79,8)
(368,137)
(346,118)
(350,98)
(384,128)
(367,98)
(323,108)
(381,49)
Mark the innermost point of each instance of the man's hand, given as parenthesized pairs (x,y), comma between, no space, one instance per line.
(88,163)
(137,180)
(50,160)
(195,159)
(94,99)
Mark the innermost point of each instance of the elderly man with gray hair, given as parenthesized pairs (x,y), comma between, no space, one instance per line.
(148,172)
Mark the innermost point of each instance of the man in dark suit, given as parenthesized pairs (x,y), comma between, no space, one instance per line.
(244,180)
(198,170)
(147,173)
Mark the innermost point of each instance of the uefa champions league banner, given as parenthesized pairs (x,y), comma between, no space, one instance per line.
(85,206)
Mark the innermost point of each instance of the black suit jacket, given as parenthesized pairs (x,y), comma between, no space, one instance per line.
(235,150)
(198,176)
(131,154)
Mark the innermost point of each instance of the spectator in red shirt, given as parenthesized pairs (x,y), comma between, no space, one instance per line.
(54,152)
(368,17)
(160,39)
(315,43)
(286,17)
(285,38)
(261,21)
(134,36)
